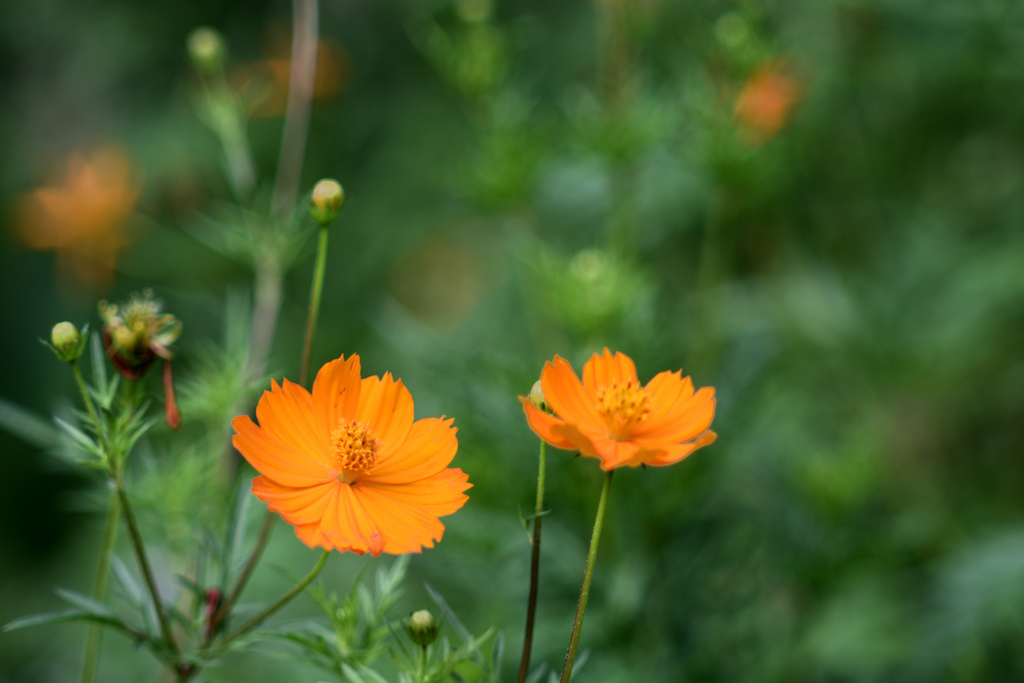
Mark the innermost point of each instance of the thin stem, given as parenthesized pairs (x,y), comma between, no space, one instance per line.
(86,399)
(147,572)
(316,290)
(300,103)
(281,602)
(531,605)
(243,578)
(266,308)
(99,590)
(588,574)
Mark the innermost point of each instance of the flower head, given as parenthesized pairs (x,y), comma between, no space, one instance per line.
(348,466)
(611,416)
(138,332)
(83,218)
(764,103)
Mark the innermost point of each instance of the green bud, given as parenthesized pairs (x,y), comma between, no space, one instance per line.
(66,342)
(537,396)
(422,627)
(207,50)
(325,201)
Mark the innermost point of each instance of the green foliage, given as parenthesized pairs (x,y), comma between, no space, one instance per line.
(851,286)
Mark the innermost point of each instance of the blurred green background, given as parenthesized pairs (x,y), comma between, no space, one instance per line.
(815,206)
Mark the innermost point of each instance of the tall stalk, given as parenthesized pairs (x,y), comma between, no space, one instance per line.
(588,575)
(316,290)
(531,606)
(144,566)
(267,286)
(300,104)
(268,294)
(99,589)
(280,602)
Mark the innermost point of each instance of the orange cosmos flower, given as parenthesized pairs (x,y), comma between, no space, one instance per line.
(348,467)
(764,103)
(83,218)
(611,417)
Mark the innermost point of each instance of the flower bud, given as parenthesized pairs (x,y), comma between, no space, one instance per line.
(325,201)
(207,50)
(66,342)
(64,336)
(422,627)
(537,396)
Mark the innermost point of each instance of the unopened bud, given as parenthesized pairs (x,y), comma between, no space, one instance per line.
(207,50)
(537,396)
(325,201)
(66,342)
(422,627)
(64,336)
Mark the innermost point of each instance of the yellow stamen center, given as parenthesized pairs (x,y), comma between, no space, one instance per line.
(355,449)
(622,406)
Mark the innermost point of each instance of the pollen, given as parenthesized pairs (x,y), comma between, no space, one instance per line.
(622,406)
(354,447)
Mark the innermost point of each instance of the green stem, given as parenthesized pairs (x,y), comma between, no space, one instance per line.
(99,590)
(588,574)
(281,602)
(243,578)
(147,572)
(316,290)
(531,605)
(86,399)
(301,81)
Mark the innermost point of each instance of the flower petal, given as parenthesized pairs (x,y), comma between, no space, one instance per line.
(542,425)
(409,527)
(427,450)
(439,495)
(336,393)
(296,505)
(673,454)
(566,395)
(285,413)
(310,535)
(584,443)
(277,461)
(615,453)
(667,390)
(606,369)
(386,407)
(355,525)
(685,421)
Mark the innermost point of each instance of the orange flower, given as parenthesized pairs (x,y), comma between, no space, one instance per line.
(82,219)
(332,76)
(348,467)
(611,417)
(765,101)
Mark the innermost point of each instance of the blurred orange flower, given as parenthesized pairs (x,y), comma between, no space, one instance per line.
(348,467)
(83,218)
(332,75)
(611,417)
(765,101)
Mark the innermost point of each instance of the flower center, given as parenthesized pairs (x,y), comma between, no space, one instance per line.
(355,449)
(622,406)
